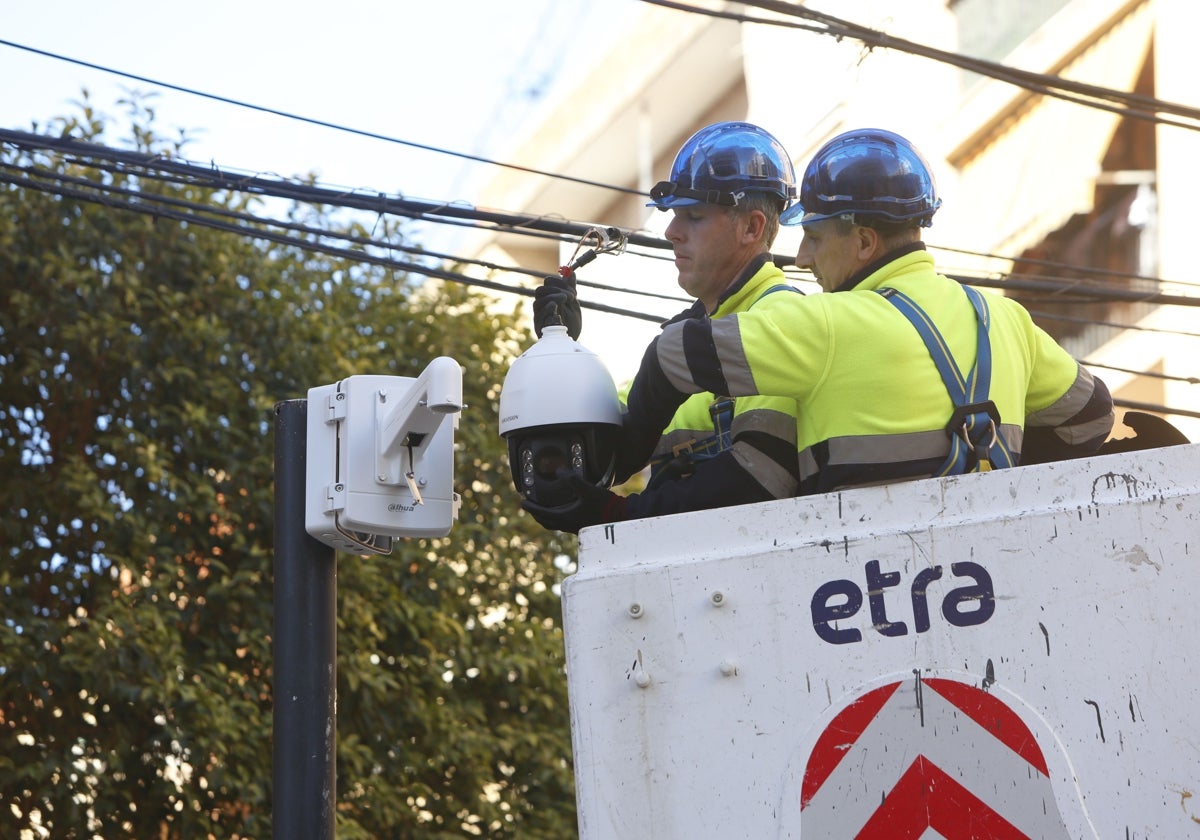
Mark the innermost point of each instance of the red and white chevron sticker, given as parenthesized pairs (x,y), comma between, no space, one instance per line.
(928,758)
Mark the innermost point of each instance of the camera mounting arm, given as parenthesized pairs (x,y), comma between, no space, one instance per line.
(380,458)
(413,415)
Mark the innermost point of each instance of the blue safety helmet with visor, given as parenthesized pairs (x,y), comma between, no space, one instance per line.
(869,175)
(721,162)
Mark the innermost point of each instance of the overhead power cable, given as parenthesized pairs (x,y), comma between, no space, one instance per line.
(313,121)
(202,215)
(381,203)
(1092,322)
(1052,265)
(1158,409)
(155,198)
(828,25)
(1190,380)
(386,262)
(107,199)
(1071,292)
(1123,103)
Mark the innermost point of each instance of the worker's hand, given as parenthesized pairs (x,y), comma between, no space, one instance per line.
(592,505)
(555,302)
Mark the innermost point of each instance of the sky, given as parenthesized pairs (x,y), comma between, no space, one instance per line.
(463,75)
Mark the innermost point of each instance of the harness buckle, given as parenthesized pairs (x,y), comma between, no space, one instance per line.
(684,448)
(981,444)
(958,420)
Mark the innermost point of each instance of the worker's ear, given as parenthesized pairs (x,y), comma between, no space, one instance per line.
(756,224)
(868,244)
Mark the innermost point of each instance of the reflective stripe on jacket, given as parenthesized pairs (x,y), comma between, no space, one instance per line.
(763,429)
(761,463)
(872,406)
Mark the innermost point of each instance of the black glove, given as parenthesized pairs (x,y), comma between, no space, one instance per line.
(592,506)
(554,303)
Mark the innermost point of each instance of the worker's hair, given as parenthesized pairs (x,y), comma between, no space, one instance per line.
(892,235)
(896,236)
(766,203)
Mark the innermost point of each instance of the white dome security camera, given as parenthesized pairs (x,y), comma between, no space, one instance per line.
(559,410)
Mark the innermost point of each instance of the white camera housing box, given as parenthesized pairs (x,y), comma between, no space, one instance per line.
(380,458)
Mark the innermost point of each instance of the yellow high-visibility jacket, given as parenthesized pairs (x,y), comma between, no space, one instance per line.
(693,467)
(872,405)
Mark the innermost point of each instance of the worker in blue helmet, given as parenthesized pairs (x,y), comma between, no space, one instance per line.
(728,186)
(898,372)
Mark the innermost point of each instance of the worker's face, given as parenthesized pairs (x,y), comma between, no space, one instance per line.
(833,251)
(711,245)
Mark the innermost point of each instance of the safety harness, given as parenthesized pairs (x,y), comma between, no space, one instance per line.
(682,459)
(975,443)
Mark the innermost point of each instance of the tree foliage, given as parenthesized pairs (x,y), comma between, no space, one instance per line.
(140,363)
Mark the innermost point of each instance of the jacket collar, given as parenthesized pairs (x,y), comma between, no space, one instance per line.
(867,270)
(729,298)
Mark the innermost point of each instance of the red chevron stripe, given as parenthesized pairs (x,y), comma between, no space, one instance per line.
(839,736)
(993,716)
(925,797)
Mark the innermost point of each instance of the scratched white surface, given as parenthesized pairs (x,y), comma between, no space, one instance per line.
(696,718)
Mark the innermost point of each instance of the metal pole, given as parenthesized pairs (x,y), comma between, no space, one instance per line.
(304,643)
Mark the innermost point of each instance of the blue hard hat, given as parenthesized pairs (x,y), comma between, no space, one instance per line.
(868,174)
(723,161)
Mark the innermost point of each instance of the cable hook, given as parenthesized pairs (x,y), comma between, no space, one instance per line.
(608,240)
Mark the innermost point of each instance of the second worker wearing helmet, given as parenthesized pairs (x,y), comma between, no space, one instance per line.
(865,361)
(729,183)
